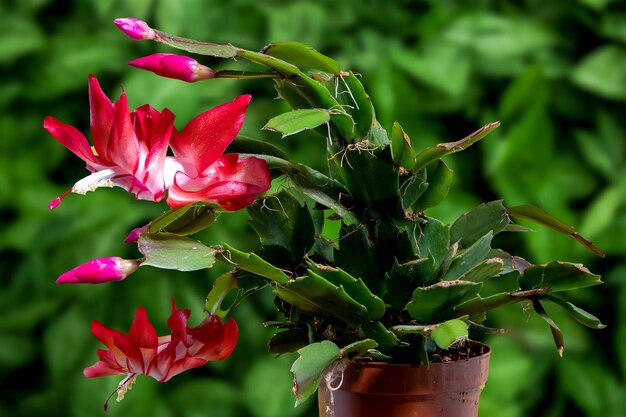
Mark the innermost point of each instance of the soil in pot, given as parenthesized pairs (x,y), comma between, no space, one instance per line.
(377,389)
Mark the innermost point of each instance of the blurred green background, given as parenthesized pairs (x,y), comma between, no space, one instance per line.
(554,73)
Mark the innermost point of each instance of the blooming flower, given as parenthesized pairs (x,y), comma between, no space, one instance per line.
(142,352)
(100,270)
(201,172)
(174,66)
(129,148)
(135,28)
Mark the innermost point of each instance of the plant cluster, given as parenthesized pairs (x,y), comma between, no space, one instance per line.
(358,268)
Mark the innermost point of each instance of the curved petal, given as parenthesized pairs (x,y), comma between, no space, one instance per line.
(123,147)
(142,332)
(71,138)
(229,195)
(219,346)
(153,130)
(182,365)
(249,170)
(101,369)
(101,120)
(230,183)
(206,137)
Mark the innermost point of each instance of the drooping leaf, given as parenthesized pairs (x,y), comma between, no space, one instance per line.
(252,263)
(558,276)
(537,215)
(474,224)
(556,332)
(469,258)
(223,286)
(583,317)
(197,47)
(449,333)
(439,178)
(316,295)
(438,151)
(302,56)
(428,302)
(309,367)
(296,121)
(354,287)
(171,251)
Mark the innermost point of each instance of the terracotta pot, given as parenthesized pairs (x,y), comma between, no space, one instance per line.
(376,389)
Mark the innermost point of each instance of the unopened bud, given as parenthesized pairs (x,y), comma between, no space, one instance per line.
(133,235)
(174,66)
(100,270)
(135,28)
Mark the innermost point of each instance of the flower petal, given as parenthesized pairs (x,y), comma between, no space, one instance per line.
(123,147)
(71,138)
(206,137)
(142,332)
(101,120)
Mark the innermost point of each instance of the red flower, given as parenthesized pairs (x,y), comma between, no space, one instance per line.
(142,352)
(201,173)
(129,148)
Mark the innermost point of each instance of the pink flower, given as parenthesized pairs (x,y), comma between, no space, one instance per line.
(200,171)
(142,352)
(135,28)
(100,270)
(129,148)
(174,66)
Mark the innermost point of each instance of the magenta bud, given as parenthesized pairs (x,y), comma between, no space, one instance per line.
(135,28)
(100,270)
(134,234)
(174,66)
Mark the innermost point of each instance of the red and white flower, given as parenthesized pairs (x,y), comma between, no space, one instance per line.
(143,352)
(129,148)
(201,173)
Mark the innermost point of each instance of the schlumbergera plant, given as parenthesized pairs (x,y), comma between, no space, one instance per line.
(392,285)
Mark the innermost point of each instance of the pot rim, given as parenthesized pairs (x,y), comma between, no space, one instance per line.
(373,364)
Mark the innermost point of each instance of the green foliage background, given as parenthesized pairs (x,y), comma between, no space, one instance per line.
(553,72)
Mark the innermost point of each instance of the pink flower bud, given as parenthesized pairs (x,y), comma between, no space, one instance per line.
(100,270)
(135,28)
(174,66)
(134,234)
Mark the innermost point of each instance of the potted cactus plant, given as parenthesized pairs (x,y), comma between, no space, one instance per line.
(378,297)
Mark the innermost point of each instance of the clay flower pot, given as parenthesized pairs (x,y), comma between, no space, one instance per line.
(375,389)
